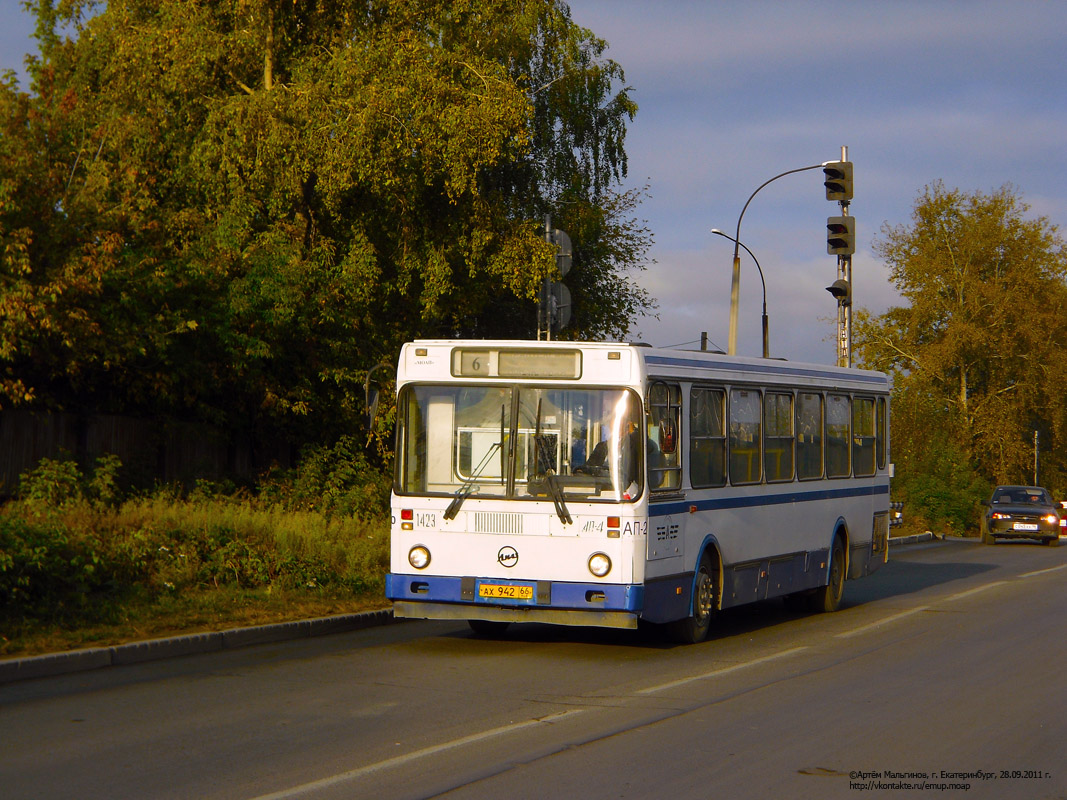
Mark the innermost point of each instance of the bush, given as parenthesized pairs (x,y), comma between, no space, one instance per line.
(52,483)
(58,483)
(339,480)
(48,573)
(944,489)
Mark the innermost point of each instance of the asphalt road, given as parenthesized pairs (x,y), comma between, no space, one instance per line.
(946,663)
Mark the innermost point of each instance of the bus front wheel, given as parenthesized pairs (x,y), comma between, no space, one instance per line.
(694,629)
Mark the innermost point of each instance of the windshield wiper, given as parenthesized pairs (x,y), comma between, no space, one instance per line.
(469,487)
(550,474)
(557,497)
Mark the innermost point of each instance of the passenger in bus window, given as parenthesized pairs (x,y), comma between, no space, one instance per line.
(631,455)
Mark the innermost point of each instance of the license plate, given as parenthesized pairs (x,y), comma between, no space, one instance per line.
(496,591)
(1025,526)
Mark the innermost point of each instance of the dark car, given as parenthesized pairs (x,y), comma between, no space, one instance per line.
(1021,512)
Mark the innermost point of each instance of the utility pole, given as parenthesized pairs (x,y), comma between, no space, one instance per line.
(542,310)
(1035,459)
(735,284)
(554,302)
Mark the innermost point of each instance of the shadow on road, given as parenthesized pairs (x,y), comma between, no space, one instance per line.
(902,577)
(895,579)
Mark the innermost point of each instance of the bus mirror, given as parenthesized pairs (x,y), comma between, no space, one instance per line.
(372,406)
(370,395)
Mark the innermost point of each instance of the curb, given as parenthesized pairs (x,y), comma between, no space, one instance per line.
(913,539)
(21,669)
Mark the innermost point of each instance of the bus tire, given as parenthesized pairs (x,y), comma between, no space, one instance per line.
(694,629)
(828,598)
(488,627)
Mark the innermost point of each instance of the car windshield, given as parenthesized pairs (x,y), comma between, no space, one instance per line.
(1022,496)
(519,442)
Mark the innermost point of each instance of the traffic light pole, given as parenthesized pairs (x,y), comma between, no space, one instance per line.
(542,306)
(844,303)
(844,314)
(841,241)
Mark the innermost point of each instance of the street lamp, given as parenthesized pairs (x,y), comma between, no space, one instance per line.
(735,286)
(737,242)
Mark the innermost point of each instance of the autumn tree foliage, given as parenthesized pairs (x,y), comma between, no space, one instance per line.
(232,209)
(979,350)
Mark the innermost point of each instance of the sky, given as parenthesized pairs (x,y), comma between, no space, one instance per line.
(730,94)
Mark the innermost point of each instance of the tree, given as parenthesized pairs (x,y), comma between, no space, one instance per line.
(978,353)
(232,210)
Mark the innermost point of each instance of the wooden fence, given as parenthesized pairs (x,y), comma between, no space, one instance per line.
(170,452)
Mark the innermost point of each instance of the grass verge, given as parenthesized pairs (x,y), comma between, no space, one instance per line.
(83,575)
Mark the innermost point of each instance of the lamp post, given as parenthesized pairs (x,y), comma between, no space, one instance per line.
(738,242)
(735,286)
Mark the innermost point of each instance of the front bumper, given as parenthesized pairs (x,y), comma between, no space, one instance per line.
(1006,531)
(556,602)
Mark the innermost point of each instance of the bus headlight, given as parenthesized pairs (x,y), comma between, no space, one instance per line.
(419,557)
(599,564)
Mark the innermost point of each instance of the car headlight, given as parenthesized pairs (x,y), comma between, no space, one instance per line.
(999,515)
(1052,519)
(599,564)
(419,557)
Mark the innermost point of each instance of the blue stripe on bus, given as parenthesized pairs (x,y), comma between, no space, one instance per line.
(578,596)
(768,369)
(751,501)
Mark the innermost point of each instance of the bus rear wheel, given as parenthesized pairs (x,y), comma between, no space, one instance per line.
(694,629)
(828,598)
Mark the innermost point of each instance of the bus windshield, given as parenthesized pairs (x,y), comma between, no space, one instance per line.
(520,442)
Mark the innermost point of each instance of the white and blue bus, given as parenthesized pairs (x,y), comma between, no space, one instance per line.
(602,484)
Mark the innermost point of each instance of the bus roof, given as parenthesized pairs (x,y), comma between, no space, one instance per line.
(426,359)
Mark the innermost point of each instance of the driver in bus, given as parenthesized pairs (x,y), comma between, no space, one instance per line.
(597,461)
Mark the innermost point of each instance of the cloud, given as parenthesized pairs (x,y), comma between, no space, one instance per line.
(731,94)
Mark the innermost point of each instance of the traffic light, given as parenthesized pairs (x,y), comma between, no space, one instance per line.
(838,181)
(841,236)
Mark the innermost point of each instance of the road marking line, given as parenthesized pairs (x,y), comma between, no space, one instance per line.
(881,622)
(1043,571)
(345,777)
(715,673)
(976,590)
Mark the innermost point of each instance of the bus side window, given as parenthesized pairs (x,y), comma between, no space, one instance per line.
(745,434)
(778,436)
(838,417)
(809,435)
(664,454)
(880,433)
(863,438)
(707,437)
